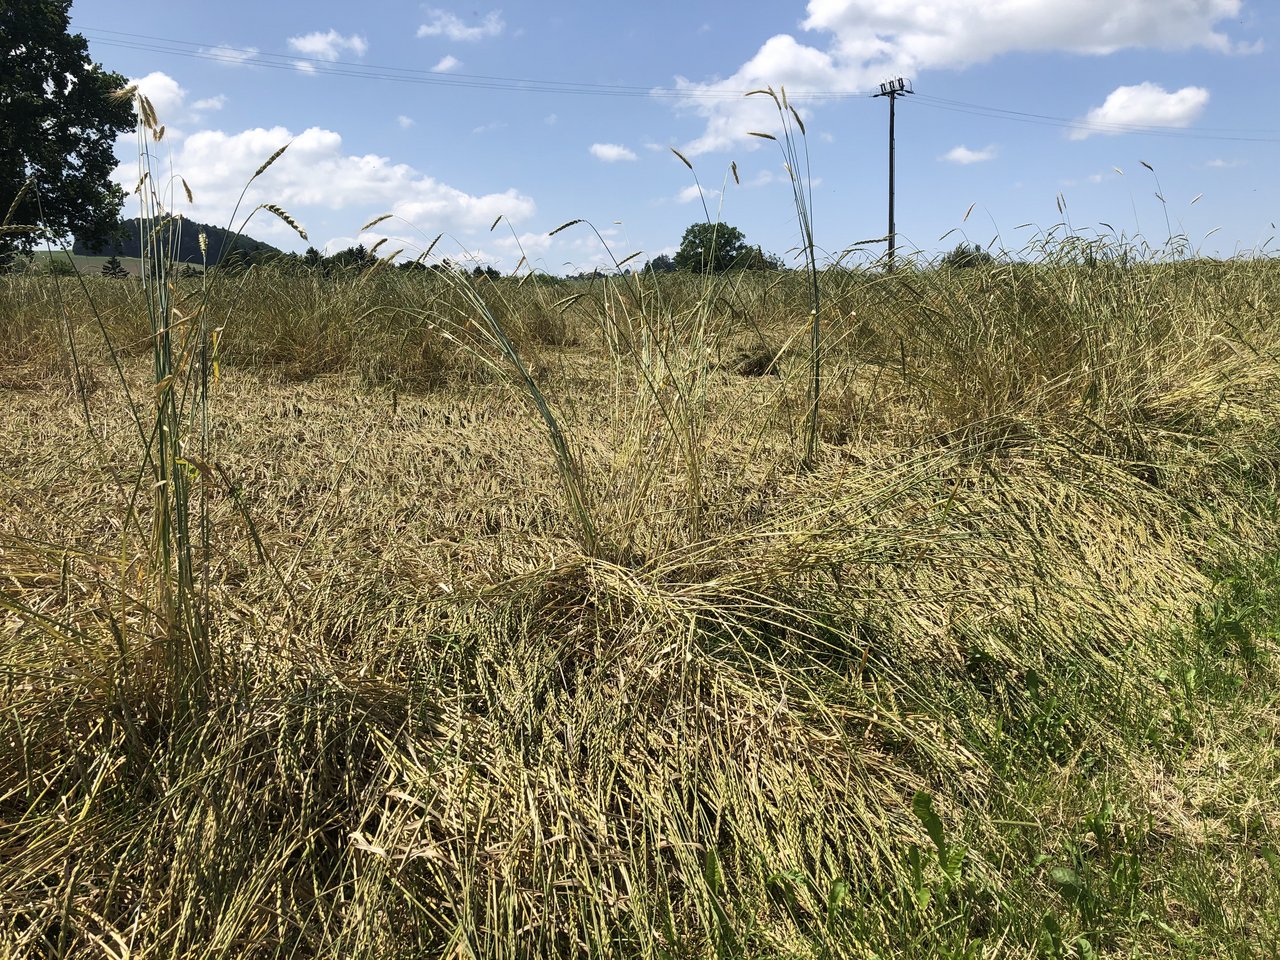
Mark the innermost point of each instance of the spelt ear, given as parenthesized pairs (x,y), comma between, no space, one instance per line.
(21,195)
(268,162)
(284,215)
(375,221)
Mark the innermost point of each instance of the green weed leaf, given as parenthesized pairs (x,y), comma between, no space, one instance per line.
(1068,882)
(922,807)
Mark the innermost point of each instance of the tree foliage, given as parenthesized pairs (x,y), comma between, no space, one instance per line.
(354,259)
(115,269)
(58,122)
(754,258)
(966,257)
(710,248)
(180,239)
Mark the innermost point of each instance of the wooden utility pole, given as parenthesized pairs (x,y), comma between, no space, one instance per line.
(891,89)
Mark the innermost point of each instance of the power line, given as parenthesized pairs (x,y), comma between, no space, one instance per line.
(1239,135)
(962,105)
(347,69)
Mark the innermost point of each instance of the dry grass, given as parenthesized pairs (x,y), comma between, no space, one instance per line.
(1022,575)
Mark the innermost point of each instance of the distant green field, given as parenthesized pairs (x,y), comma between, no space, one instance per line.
(84,264)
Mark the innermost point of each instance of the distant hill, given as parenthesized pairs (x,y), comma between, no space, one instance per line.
(183,237)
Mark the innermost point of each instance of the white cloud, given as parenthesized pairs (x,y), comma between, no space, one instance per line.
(611,152)
(316,175)
(303,66)
(954,33)
(442,23)
(447,63)
(1143,105)
(405,122)
(858,43)
(782,61)
(963,155)
(329,45)
(232,56)
(550,119)
(407,245)
(530,245)
(692,192)
(167,96)
(1220,164)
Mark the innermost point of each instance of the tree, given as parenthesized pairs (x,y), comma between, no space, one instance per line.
(61,265)
(965,257)
(754,258)
(114,268)
(660,264)
(710,248)
(60,115)
(356,259)
(183,239)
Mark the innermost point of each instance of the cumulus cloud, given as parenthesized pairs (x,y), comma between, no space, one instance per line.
(404,121)
(317,175)
(529,245)
(407,245)
(169,98)
(165,93)
(446,63)
(1143,105)
(955,33)
(329,45)
(782,61)
(964,156)
(442,23)
(857,43)
(611,152)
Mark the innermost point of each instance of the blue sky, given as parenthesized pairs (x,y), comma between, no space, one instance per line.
(451,115)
